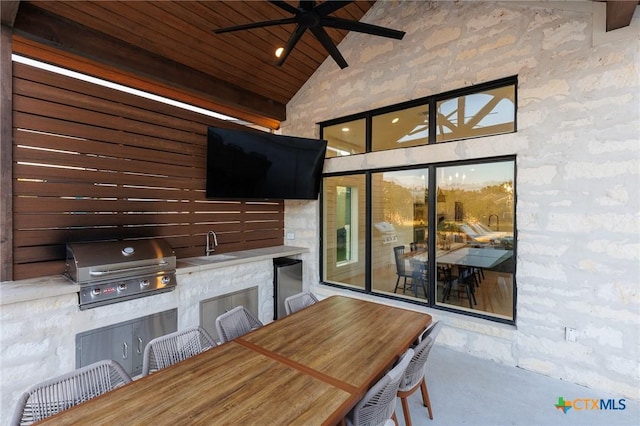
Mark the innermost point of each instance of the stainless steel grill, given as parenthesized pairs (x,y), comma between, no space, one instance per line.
(114,271)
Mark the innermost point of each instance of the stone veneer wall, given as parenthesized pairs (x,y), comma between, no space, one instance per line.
(577,167)
(37,340)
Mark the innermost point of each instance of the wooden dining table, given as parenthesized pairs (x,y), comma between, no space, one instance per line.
(309,368)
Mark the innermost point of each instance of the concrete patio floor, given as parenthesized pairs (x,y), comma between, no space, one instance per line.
(466,390)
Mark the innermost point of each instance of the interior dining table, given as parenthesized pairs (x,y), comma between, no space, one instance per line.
(308,368)
(476,257)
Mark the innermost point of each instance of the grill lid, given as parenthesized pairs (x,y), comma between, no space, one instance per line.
(105,260)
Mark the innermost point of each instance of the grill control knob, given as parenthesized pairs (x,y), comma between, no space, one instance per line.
(122,287)
(144,283)
(95,292)
(166,279)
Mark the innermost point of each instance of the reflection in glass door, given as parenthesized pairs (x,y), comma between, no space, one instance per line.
(343,233)
(475,237)
(438,235)
(345,223)
(399,209)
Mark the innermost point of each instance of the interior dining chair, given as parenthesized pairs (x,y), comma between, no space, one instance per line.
(448,280)
(166,350)
(235,323)
(414,376)
(464,281)
(401,270)
(419,275)
(60,393)
(379,403)
(299,301)
(501,288)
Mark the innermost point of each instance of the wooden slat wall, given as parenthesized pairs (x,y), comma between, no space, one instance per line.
(92,163)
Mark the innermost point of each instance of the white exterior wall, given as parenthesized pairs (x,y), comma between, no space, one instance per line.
(577,148)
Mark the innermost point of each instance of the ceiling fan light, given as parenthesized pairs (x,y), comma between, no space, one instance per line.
(314,16)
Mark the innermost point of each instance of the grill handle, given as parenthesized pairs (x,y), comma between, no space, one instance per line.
(137,268)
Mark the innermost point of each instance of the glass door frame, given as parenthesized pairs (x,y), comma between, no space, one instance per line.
(431,237)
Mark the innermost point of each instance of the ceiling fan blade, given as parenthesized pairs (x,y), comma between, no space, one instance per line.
(360,27)
(324,38)
(307,5)
(284,6)
(293,39)
(328,7)
(283,21)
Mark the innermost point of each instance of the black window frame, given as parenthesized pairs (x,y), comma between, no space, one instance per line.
(431,243)
(431,101)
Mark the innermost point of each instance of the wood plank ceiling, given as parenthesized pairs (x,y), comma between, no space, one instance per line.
(170,46)
(173,42)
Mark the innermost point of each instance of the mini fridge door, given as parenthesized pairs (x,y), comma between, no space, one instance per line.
(287,281)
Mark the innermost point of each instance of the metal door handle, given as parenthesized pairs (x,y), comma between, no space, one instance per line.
(160,264)
(139,345)
(125,350)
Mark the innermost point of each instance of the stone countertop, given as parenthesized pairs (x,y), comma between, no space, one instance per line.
(36,288)
(59,285)
(221,260)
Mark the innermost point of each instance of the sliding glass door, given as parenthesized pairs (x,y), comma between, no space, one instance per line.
(440,235)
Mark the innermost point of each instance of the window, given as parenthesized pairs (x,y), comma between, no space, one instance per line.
(489,112)
(399,210)
(401,128)
(347,224)
(440,235)
(343,233)
(345,138)
(475,237)
(482,110)
(454,250)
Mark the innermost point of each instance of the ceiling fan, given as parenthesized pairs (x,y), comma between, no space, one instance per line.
(312,16)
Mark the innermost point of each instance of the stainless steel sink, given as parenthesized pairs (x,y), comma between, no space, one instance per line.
(214,258)
(217,257)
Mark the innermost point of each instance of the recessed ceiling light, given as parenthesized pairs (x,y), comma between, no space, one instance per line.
(279,51)
(345,129)
(395,120)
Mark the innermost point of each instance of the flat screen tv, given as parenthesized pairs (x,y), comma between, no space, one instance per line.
(252,165)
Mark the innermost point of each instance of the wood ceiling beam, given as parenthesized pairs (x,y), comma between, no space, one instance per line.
(43,27)
(8,11)
(620,13)
(6,154)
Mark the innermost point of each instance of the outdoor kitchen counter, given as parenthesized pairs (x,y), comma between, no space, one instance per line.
(58,285)
(36,288)
(221,260)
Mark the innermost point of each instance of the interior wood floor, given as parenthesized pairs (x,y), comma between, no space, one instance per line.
(491,298)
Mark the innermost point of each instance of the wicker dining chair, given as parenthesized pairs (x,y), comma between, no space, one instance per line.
(414,376)
(60,393)
(379,403)
(166,350)
(299,301)
(235,323)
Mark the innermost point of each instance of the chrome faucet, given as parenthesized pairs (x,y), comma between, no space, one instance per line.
(212,243)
